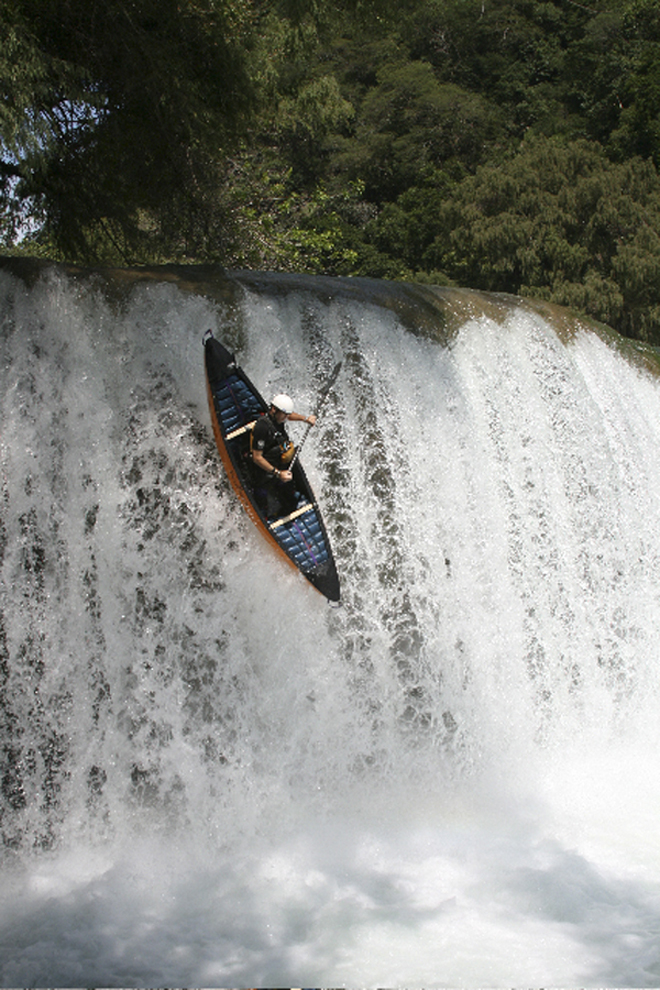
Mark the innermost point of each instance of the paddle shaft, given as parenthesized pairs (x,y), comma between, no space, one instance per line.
(323,395)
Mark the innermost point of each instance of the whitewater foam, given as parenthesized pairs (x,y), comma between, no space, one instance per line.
(210,778)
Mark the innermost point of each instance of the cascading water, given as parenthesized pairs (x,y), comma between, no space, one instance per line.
(211,778)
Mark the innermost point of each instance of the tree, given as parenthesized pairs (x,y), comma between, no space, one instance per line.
(510,51)
(409,125)
(562,222)
(115,111)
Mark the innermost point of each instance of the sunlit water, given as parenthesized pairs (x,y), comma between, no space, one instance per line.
(212,778)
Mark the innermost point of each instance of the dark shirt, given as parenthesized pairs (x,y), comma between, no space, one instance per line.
(269,439)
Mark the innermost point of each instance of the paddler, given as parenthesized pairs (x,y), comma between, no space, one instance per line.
(272,452)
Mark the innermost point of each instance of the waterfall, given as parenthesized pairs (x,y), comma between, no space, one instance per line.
(212,778)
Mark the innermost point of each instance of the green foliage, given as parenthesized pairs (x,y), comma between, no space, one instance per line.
(596,68)
(510,145)
(510,51)
(409,124)
(116,108)
(306,119)
(407,228)
(562,222)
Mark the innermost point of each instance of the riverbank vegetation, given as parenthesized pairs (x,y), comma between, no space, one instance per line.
(506,145)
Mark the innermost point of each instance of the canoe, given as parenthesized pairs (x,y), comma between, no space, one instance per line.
(299,536)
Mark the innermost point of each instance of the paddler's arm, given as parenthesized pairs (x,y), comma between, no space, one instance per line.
(261,462)
(295,417)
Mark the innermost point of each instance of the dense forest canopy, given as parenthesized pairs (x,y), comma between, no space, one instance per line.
(510,145)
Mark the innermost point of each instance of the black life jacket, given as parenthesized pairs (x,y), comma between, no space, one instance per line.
(277,448)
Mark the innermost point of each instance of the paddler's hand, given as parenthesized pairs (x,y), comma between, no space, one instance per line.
(285,476)
(311,420)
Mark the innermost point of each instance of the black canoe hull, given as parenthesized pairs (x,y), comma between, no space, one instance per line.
(300,536)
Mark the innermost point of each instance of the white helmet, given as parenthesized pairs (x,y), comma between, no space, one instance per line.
(283,403)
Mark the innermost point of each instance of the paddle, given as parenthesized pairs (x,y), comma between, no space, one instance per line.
(323,395)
